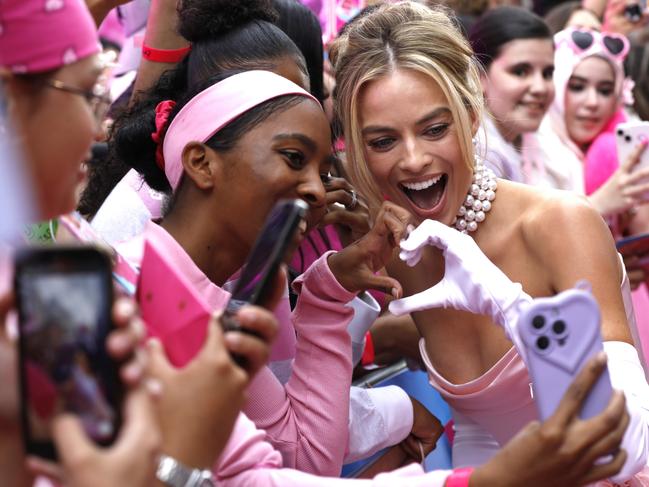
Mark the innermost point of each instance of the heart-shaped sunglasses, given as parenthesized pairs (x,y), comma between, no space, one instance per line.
(581,41)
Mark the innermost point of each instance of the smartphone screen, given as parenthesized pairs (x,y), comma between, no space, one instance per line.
(268,252)
(64,303)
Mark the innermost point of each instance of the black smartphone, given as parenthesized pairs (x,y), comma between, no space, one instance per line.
(257,276)
(64,297)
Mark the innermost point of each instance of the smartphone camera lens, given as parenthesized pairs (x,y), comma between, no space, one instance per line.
(538,322)
(559,327)
(627,138)
(542,343)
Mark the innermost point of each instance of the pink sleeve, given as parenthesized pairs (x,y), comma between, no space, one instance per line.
(249,460)
(307,419)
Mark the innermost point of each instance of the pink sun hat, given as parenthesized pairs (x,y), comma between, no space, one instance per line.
(42,35)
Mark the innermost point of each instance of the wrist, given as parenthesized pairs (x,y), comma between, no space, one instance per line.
(337,269)
(189,452)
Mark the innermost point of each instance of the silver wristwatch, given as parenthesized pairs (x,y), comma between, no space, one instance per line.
(174,474)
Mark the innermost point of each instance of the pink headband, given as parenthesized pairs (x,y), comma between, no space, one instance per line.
(214,108)
(41,35)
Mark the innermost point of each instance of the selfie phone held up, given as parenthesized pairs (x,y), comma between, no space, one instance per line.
(257,277)
(64,298)
(627,137)
(560,334)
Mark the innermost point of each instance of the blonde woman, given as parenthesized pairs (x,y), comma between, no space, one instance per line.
(408,95)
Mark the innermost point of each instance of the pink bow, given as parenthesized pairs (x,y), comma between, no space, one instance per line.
(162,112)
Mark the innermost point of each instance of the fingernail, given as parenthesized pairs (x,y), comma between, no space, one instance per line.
(232,338)
(601,357)
(133,371)
(154,387)
(644,140)
(395,293)
(125,307)
(118,342)
(245,314)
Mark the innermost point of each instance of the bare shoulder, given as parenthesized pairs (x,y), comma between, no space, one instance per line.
(551,221)
(556,213)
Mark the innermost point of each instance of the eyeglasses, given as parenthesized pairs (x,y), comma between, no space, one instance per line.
(97,98)
(581,41)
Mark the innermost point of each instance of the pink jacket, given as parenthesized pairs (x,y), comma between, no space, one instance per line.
(306,420)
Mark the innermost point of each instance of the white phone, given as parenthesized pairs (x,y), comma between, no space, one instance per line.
(627,137)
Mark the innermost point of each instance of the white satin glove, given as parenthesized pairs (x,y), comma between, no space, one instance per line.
(471,281)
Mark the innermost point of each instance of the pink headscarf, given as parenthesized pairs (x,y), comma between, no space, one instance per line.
(568,55)
(42,35)
(214,108)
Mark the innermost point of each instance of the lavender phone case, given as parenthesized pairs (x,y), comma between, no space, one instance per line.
(560,334)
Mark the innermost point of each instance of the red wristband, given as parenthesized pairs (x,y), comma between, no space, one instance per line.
(164,55)
(368,351)
(459,478)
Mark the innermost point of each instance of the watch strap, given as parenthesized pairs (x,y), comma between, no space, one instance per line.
(172,473)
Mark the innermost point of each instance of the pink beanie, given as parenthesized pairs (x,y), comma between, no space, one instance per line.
(42,35)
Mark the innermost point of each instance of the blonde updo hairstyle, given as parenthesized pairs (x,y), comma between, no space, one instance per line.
(403,35)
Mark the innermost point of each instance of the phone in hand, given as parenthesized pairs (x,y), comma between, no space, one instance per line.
(64,297)
(178,315)
(560,334)
(627,137)
(257,277)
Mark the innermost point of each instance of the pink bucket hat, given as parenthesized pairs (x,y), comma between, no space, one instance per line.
(42,35)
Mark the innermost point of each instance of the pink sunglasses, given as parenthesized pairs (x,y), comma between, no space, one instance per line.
(582,41)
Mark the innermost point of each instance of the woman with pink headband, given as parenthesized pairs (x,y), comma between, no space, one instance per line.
(307,420)
(246,39)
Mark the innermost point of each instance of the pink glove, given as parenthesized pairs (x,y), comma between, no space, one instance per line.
(471,281)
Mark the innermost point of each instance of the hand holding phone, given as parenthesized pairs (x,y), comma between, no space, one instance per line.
(258,275)
(178,315)
(560,334)
(64,299)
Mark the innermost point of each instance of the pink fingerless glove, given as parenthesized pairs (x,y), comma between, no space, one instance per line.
(471,281)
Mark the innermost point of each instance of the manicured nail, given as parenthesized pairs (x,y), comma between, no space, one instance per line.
(154,387)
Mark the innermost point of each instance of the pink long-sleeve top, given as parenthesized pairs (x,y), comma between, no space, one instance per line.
(307,419)
(248,460)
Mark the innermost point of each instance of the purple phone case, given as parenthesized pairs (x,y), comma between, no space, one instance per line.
(560,334)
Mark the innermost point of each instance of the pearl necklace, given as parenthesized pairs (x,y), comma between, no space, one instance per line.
(478,200)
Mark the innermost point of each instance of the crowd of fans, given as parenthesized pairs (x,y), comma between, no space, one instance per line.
(458,158)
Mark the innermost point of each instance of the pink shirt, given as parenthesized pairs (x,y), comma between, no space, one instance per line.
(248,460)
(306,420)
